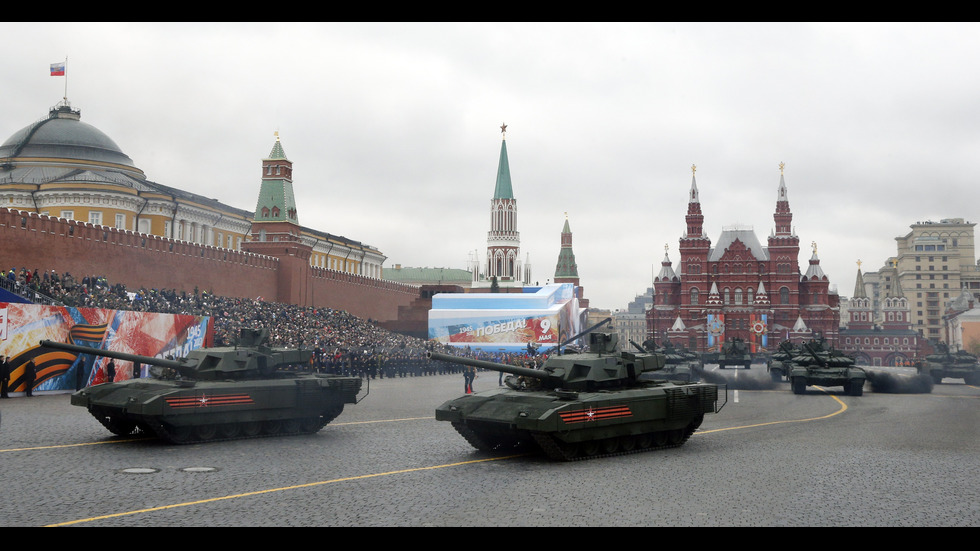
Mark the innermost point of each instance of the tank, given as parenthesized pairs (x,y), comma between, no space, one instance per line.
(582,405)
(780,361)
(734,352)
(956,365)
(681,364)
(817,364)
(219,393)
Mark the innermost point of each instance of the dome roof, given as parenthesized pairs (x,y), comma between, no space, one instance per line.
(64,136)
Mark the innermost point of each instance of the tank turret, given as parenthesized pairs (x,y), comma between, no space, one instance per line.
(603,369)
(250,358)
(581,405)
(955,365)
(219,393)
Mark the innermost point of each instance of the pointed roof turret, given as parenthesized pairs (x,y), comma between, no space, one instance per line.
(678,325)
(761,297)
(814,271)
(276,202)
(277,151)
(567,268)
(800,325)
(859,291)
(694,218)
(504,189)
(783,217)
(666,271)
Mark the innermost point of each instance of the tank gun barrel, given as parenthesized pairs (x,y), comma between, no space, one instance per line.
(149,360)
(512,369)
(819,360)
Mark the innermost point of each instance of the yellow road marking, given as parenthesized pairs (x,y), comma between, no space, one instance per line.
(283,489)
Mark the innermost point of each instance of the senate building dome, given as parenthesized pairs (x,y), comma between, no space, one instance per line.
(62,135)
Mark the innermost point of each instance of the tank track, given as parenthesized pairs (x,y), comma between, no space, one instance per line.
(611,447)
(559,451)
(217,432)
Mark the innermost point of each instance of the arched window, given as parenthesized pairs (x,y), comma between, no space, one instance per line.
(695,296)
(726,295)
(784,295)
(738,295)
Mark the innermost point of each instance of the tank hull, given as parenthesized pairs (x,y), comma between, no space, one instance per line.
(968,371)
(183,411)
(569,425)
(851,378)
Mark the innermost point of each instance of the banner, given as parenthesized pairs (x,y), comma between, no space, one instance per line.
(505,321)
(143,333)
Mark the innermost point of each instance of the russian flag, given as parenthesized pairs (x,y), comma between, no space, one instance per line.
(58,69)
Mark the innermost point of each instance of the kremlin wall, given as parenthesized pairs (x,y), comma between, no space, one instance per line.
(141,260)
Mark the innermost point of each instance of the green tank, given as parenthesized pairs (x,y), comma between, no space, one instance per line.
(582,405)
(734,352)
(817,364)
(681,364)
(218,393)
(780,361)
(956,365)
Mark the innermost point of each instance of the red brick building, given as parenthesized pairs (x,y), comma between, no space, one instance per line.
(740,288)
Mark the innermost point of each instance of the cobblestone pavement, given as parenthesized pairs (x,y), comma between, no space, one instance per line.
(769,458)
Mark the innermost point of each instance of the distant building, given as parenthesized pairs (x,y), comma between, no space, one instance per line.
(740,288)
(934,262)
(882,338)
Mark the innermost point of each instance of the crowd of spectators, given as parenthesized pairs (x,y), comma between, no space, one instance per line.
(342,342)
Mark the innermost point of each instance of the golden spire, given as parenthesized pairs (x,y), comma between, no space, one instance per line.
(814,245)
(694,169)
(859,264)
(781,166)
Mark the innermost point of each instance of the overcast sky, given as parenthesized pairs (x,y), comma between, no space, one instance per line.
(394,129)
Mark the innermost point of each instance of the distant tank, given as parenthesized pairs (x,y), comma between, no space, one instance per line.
(221,393)
(734,352)
(781,360)
(956,365)
(816,364)
(681,364)
(582,405)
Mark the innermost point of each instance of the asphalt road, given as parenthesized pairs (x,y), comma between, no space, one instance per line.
(896,456)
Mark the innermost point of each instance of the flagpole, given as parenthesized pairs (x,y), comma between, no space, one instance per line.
(66,80)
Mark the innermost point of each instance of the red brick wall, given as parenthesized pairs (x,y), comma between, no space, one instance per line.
(137,260)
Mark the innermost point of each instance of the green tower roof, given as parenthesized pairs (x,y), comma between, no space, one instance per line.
(276,201)
(504,190)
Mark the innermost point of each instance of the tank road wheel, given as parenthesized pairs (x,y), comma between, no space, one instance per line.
(799,385)
(660,438)
(181,435)
(272,426)
(251,428)
(590,447)
(675,437)
(644,441)
(229,430)
(291,426)
(609,445)
(205,432)
(119,426)
(310,425)
(627,443)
